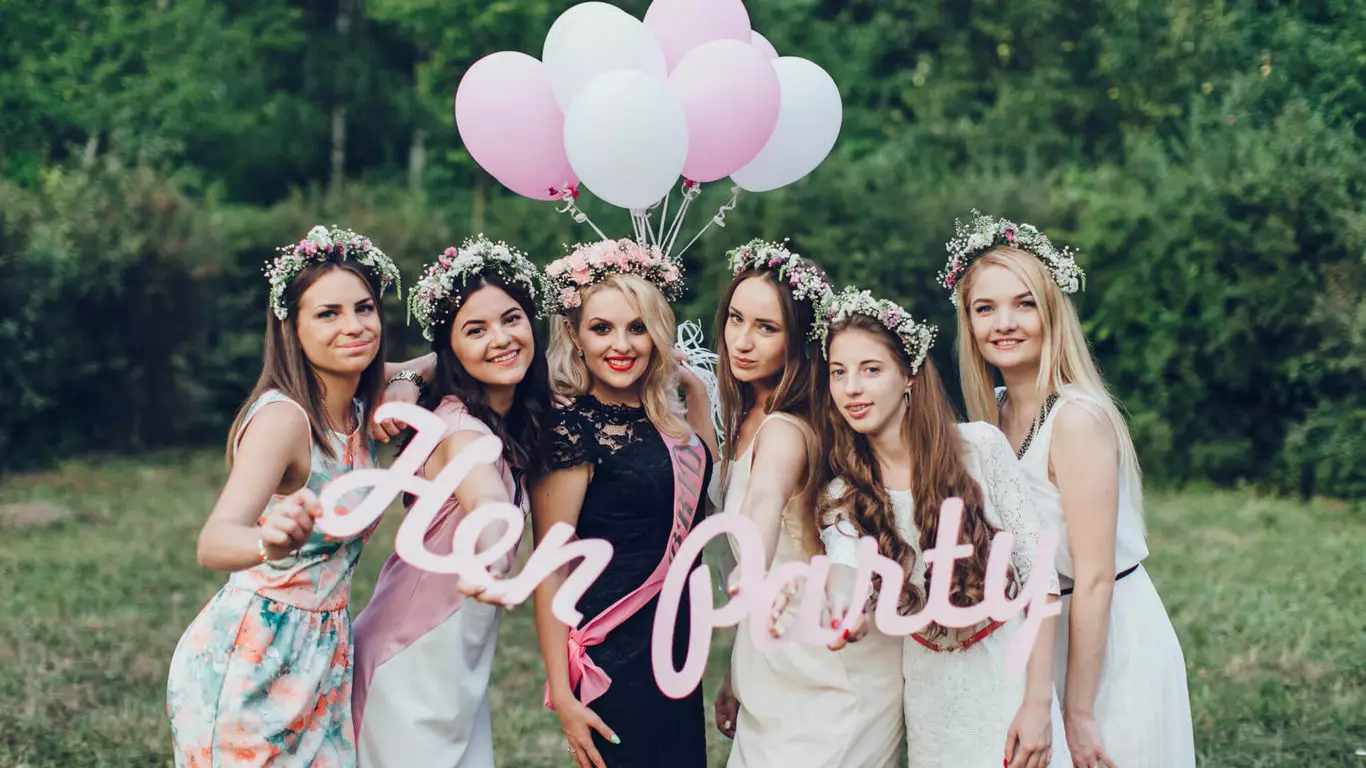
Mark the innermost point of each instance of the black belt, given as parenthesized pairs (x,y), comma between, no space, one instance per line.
(1122,574)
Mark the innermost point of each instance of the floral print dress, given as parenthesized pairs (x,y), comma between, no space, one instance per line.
(262,677)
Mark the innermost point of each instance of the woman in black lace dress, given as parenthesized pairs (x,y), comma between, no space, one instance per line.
(626,467)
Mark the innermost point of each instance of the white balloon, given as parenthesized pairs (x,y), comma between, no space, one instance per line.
(592,39)
(584,13)
(626,138)
(762,44)
(808,124)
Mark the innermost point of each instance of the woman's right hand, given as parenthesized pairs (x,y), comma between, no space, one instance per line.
(289,524)
(727,709)
(578,723)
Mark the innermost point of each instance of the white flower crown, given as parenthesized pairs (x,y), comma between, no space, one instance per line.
(588,264)
(432,299)
(321,244)
(808,282)
(916,337)
(987,232)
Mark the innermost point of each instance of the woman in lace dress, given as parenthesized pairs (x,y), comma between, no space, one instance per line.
(424,651)
(1119,664)
(801,704)
(626,467)
(895,455)
(263,674)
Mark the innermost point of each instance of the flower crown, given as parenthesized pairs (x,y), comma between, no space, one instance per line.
(587,265)
(987,232)
(808,282)
(433,300)
(320,244)
(916,337)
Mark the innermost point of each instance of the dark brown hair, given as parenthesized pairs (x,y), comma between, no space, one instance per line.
(286,368)
(793,393)
(938,471)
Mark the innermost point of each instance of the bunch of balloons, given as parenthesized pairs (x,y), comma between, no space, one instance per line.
(627,107)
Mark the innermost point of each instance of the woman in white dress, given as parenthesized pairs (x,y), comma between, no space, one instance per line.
(1119,665)
(894,455)
(424,650)
(800,705)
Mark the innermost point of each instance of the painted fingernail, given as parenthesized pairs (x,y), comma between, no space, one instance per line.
(615,739)
(846,634)
(834,623)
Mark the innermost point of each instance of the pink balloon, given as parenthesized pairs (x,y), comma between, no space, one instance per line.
(762,45)
(730,95)
(507,116)
(682,25)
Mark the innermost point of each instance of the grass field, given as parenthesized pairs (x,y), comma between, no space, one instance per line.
(99,579)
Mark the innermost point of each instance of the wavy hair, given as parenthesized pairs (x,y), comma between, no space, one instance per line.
(938,471)
(569,375)
(523,429)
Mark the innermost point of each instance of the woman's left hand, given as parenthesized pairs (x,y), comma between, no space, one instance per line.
(1029,742)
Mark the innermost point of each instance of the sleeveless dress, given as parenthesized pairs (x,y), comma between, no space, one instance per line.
(1142,704)
(424,653)
(629,502)
(262,676)
(805,705)
(959,705)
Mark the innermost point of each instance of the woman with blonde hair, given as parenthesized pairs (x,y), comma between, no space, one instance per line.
(894,455)
(625,465)
(1119,666)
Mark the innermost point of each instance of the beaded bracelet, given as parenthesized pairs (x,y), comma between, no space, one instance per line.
(281,563)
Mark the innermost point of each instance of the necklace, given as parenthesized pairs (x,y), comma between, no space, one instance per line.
(1034,425)
(332,422)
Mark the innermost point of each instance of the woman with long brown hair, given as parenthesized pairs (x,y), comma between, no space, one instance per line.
(800,704)
(628,466)
(263,674)
(1119,665)
(894,455)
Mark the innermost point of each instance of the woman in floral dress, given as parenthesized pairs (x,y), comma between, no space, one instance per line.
(263,675)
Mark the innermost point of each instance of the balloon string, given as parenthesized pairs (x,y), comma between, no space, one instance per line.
(719,219)
(702,362)
(578,216)
(663,215)
(690,192)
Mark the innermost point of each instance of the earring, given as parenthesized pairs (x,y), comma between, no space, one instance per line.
(907,397)
(580,354)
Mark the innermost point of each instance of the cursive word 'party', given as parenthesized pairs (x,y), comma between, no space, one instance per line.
(758,588)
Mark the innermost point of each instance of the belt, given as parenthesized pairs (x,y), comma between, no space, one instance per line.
(1121,575)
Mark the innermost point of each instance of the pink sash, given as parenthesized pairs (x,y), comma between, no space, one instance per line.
(688,463)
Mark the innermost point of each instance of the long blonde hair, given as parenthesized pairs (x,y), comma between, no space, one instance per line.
(1066,357)
(569,374)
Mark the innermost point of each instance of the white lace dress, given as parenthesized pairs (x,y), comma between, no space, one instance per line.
(959,705)
(805,706)
(1142,704)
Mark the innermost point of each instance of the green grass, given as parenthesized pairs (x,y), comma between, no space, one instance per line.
(99,579)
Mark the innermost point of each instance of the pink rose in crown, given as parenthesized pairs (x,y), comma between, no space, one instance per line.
(581,275)
(1010,236)
(670,274)
(569,298)
(555,269)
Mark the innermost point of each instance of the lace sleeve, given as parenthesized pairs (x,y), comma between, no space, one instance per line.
(571,440)
(1016,508)
(838,535)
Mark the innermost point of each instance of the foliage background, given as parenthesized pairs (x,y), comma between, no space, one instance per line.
(1206,156)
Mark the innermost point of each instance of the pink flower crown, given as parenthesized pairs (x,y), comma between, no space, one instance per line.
(587,265)
(433,301)
(320,245)
(987,232)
